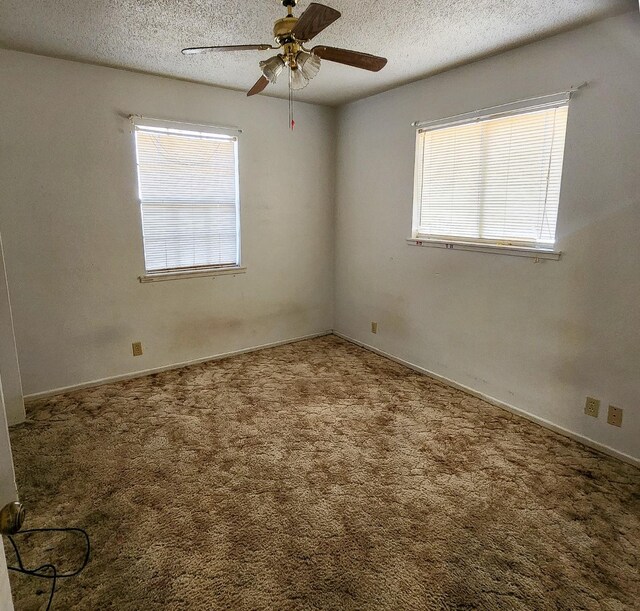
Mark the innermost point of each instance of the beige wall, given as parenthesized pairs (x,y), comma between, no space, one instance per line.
(540,337)
(71,224)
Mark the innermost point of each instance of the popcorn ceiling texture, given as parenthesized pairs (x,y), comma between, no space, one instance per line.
(418,37)
(319,476)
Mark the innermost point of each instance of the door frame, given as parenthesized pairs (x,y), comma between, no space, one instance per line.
(9,379)
(8,493)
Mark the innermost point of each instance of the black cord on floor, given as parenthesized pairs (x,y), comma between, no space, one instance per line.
(49,571)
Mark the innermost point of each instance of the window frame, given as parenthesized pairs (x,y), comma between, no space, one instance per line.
(179,128)
(508,247)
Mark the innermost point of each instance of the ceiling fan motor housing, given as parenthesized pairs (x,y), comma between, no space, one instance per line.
(282,28)
(284,38)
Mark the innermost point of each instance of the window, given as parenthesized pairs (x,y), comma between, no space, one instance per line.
(188,190)
(492,178)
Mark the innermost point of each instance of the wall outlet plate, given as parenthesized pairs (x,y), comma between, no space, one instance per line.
(136,348)
(374,327)
(615,416)
(592,407)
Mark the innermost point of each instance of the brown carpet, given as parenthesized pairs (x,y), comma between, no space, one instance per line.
(319,476)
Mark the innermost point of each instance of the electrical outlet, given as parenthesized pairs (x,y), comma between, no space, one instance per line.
(592,407)
(136,348)
(615,416)
(374,327)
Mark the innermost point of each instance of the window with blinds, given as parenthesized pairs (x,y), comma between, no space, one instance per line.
(188,190)
(492,179)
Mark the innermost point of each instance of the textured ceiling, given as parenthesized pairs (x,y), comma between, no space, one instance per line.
(419,37)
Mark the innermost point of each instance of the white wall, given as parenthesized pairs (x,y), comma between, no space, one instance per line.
(71,224)
(539,337)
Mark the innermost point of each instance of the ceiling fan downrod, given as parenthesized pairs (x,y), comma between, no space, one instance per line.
(289,5)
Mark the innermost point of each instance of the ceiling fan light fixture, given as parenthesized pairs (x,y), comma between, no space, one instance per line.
(272,67)
(298,79)
(290,34)
(308,63)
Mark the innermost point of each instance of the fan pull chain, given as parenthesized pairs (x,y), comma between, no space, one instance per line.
(292,122)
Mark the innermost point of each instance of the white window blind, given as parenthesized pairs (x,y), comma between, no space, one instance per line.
(188,189)
(493,179)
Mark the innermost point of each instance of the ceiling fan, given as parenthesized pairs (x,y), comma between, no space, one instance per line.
(291,33)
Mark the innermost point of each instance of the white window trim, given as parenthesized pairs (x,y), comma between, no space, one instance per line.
(182,126)
(192,273)
(494,112)
(503,110)
(494,249)
(202,272)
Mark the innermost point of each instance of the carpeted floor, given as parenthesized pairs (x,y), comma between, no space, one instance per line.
(319,476)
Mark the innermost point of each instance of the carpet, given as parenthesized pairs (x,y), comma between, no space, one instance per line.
(318,475)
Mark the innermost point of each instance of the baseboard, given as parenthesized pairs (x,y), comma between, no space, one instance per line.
(594,445)
(480,395)
(145,372)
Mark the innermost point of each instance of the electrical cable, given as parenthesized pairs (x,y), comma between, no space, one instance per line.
(51,571)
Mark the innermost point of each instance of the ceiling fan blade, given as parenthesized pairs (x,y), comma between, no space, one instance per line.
(196,50)
(261,83)
(351,58)
(315,19)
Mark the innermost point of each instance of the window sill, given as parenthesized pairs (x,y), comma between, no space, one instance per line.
(495,249)
(200,273)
